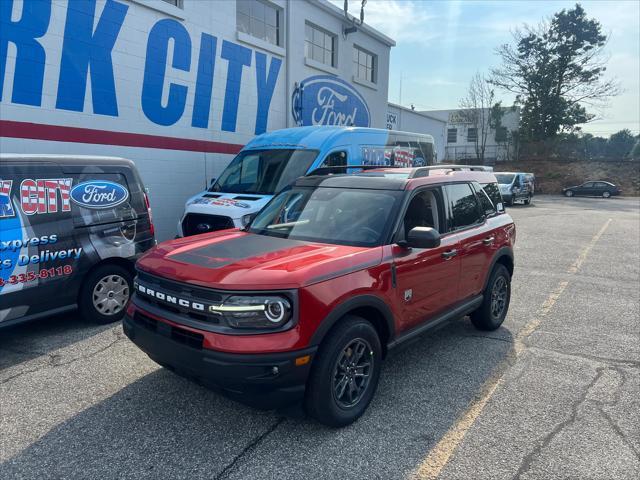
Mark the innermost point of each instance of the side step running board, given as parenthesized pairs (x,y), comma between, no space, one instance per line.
(457,312)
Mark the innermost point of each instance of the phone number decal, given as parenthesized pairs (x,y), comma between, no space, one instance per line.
(32,276)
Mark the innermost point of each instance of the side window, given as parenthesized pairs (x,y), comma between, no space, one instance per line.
(335,159)
(485,202)
(463,206)
(587,185)
(493,192)
(426,209)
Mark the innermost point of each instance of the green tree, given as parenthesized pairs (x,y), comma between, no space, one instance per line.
(556,70)
(620,144)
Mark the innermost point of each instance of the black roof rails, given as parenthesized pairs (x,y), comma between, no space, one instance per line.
(424,171)
(329,169)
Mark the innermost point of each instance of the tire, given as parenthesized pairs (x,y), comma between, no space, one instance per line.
(606,194)
(568,193)
(486,317)
(112,281)
(527,201)
(322,399)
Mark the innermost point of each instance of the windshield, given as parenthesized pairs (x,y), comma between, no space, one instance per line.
(264,172)
(340,216)
(505,178)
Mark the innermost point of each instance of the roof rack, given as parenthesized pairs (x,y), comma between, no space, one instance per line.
(424,171)
(330,169)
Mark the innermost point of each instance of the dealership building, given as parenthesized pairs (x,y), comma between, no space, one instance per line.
(179,86)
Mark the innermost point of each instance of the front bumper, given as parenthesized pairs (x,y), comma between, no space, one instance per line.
(263,381)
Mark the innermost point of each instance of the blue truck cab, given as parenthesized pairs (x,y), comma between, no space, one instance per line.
(273,160)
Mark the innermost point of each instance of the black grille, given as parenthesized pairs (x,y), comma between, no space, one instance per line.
(196,223)
(180,335)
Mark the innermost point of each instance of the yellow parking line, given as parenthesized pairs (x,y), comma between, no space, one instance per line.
(441,453)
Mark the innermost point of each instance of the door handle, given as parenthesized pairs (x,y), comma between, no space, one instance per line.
(449,254)
(488,240)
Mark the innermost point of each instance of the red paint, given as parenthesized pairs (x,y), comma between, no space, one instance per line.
(38,131)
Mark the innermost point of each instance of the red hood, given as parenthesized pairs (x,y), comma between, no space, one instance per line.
(238,260)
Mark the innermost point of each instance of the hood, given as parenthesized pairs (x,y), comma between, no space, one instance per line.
(234,205)
(234,259)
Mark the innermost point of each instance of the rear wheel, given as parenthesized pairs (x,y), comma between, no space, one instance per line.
(495,304)
(606,194)
(105,294)
(345,373)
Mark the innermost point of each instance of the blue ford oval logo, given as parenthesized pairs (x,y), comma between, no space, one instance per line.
(327,100)
(99,194)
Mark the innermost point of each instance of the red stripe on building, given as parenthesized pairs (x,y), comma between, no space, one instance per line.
(56,133)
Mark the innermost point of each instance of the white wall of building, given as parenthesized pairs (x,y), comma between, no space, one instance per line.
(147,44)
(407,120)
(462,148)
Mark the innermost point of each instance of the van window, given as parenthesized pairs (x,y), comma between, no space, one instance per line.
(505,178)
(264,172)
(463,206)
(335,159)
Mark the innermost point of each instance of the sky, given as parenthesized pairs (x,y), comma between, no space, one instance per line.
(440,45)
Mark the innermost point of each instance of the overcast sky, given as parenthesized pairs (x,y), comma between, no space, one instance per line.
(441,44)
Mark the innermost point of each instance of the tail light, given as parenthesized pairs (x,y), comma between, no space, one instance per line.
(146,203)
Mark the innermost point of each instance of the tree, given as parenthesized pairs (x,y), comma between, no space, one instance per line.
(620,144)
(476,111)
(556,70)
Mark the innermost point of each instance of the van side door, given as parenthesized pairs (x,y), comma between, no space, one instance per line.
(38,258)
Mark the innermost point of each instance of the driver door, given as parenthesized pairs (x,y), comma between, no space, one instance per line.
(426,279)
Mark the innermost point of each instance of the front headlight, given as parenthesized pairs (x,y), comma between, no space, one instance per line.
(260,311)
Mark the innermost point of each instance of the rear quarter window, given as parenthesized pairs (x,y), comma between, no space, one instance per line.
(87,216)
(493,192)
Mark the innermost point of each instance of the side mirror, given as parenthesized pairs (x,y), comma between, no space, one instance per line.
(423,237)
(213,180)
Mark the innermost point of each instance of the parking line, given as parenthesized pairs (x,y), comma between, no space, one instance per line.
(439,456)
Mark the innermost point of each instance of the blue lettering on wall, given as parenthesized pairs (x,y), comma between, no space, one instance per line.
(238,57)
(266,86)
(204,81)
(155,70)
(30,58)
(85,49)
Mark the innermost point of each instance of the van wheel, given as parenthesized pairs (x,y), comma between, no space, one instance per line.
(495,304)
(345,373)
(527,201)
(105,293)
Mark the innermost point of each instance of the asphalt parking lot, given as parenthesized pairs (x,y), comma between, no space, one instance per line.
(554,393)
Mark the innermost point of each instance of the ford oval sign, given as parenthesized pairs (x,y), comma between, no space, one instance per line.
(327,100)
(99,194)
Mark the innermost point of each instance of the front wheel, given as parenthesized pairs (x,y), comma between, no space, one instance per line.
(345,373)
(527,201)
(495,304)
(606,194)
(105,294)
(568,193)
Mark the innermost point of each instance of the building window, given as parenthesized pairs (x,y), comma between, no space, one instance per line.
(452,135)
(364,64)
(177,3)
(260,19)
(320,45)
(472,135)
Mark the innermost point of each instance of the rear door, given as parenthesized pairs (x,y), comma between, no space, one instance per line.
(468,226)
(586,189)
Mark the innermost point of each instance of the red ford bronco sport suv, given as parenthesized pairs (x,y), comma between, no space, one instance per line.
(305,302)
